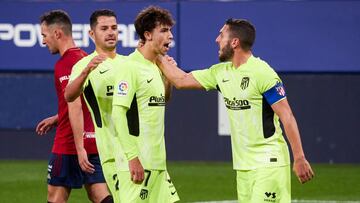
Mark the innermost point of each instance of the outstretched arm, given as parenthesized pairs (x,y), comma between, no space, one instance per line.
(75,87)
(301,166)
(179,78)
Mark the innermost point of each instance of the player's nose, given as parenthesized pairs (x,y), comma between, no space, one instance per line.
(217,40)
(171,36)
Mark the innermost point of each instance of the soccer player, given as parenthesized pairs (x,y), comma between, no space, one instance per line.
(255,99)
(138,113)
(97,87)
(74,160)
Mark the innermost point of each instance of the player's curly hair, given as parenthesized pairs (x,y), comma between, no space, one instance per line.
(58,17)
(244,30)
(150,17)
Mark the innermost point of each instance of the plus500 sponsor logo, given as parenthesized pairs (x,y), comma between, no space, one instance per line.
(29,35)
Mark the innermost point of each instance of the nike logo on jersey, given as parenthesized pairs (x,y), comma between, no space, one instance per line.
(148,81)
(173,193)
(101,72)
(225,80)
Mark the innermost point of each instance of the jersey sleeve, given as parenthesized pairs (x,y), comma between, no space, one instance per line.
(271,86)
(76,71)
(62,74)
(206,77)
(125,85)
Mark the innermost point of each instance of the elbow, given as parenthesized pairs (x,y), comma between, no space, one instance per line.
(179,86)
(288,119)
(68,97)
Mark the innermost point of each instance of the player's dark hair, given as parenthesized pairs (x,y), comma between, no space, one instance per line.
(100,12)
(244,30)
(58,17)
(150,17)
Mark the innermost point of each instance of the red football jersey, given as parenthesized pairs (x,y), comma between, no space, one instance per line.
(64,140)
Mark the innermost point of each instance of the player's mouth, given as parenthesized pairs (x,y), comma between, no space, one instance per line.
(167,46)
(110,40)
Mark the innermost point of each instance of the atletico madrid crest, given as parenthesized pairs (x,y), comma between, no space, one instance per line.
(244,82)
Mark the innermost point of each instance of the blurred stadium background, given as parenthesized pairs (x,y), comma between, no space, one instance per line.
(313,45)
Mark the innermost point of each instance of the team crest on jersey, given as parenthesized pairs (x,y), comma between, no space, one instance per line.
(244,83)
(123,88)
(144,194)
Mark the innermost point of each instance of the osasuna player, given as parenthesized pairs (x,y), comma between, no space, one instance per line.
(138,113)
(74,160)
(97,87)
(255,99)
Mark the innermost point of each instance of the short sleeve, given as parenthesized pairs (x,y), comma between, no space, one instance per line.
(125,85)
(62,73)
(76,71)
(271,86)
(266,79)
(206,78)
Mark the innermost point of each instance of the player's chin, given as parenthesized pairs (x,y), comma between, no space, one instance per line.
(111,46)
(164,51)
(111,43)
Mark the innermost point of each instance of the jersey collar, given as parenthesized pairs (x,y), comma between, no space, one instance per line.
(140,58)
(245,65)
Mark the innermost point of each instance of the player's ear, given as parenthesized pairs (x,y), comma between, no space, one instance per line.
(148,35)
(91,34)
(57,33)
(235,42)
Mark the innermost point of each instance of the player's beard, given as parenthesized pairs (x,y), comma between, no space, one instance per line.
(109,47)
(226,53)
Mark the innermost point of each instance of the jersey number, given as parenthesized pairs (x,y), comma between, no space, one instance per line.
(115,178)
(147,174)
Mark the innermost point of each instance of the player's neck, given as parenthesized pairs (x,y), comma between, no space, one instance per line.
(108,53)
(65,45)
(148,52)
(240,58)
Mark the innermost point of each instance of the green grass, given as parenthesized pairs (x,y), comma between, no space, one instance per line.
(25,181)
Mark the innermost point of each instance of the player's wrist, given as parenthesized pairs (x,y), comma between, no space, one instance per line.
(80,149)
(132,157)
(299,158)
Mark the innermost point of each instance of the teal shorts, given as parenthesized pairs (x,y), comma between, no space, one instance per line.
(271,184)
(156,187)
